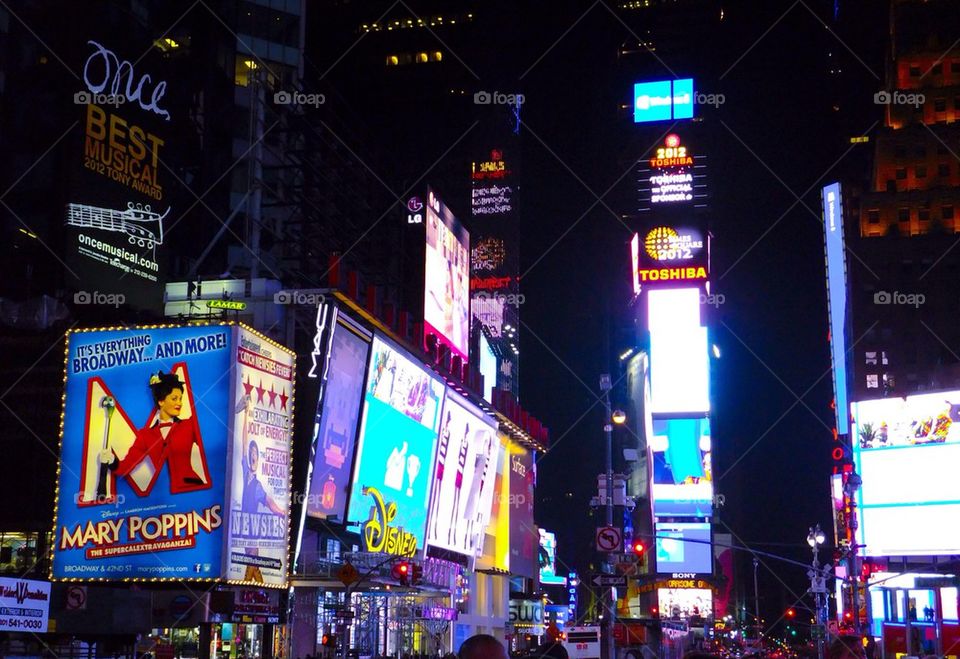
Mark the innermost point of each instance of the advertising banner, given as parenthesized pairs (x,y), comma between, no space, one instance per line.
(494,262)
(671,256)
(682,471)
(464,476)
(548,560)
(119,201)
(685,603)
(906,451)
(24,605)
(390,490)
(337,419)
(446,297)
(524,537)
(155,424)
(673,176)
(663,100)
(836,258)
(496,551)
(260,460)
(684,547)
(143,454)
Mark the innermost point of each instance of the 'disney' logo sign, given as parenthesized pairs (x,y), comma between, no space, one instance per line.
(379,536)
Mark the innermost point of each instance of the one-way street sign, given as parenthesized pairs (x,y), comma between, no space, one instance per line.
(609,580)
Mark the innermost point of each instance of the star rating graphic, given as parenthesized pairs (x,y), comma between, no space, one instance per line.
(272,394)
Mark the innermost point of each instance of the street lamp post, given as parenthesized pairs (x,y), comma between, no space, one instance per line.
(853,482)
(610,417)
(818,586)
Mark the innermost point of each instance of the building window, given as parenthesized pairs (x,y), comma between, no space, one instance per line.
(436,56)
(921,171)
(955,66)
(937,69)
(939,105)
(871,358)
(901,173)
(873,381)
(946,212)
(873,216)
(914,71)
(943,169)
(422,58)
(924,215)
(920,152)
(956,102)
(903,214)
(941,148)
(900,152)
(392,60)
(883,358)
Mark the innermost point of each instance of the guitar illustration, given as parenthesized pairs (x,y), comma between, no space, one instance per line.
(142,226)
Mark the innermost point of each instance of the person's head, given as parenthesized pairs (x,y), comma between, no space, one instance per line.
(846,647)
(253,456)
(167,393)
(482,646)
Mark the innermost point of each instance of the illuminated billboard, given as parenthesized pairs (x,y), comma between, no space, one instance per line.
(121,185)
(679,352)
(524,535)
(685,603)
(684,547)
(663,100)
(464,476)
(335,428)
(682,467)
(906,451)
(548,560)
(670,256)
(446,297)
(393,468)
(488,368)
(258,538)
(672,175)
(145,487)
(836,258)
(496,551)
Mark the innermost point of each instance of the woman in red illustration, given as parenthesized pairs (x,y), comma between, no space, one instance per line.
(165,439)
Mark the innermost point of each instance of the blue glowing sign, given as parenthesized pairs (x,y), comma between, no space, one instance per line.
(837,300)
(663,100)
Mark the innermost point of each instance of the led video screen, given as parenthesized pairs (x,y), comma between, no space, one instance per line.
(837,299)
(682,469)
(684,603)
(684,547)
(446,296)
(395,451)
(906,451)
(336,426)
(468,451)
(662,100)
(548,560)
(679,356)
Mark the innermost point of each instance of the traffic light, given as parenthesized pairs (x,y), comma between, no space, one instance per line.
(401,572)
(791,613)
(328,641)
(654,611)
(638,549)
